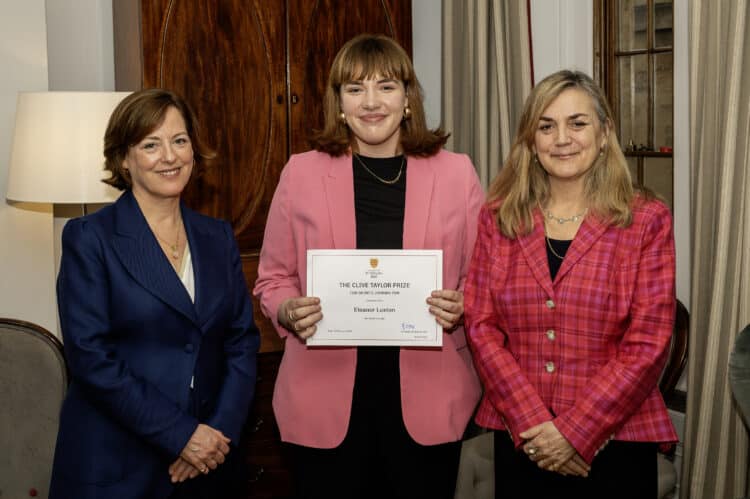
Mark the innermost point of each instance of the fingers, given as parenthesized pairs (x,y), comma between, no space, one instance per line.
(548,464)
(306,327)
(532,432)
(300,315)
(447,305)
(532,451)
(206,449)
(224,447)
(181,470)
(575,466)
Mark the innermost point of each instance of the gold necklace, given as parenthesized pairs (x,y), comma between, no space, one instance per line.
(174,247)
(562,220)
(549,245)
(387,182)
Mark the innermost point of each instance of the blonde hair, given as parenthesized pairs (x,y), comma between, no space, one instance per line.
(366,56)
(523,184)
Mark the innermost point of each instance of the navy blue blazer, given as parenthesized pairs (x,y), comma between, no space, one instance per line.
(134,340)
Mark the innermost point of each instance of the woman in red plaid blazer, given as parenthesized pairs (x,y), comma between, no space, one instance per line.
(570,306)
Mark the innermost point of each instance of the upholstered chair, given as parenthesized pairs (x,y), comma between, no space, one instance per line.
(33,380)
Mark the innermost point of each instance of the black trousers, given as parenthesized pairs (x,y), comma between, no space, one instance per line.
(228,480)
(378,458)
(621,470)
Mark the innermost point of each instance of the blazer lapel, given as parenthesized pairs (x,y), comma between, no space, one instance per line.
(533,247)
(339,186)
(209,262)
(419,184)
(588,233)
(140,253)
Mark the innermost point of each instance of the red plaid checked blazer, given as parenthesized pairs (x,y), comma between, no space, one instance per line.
(585,350)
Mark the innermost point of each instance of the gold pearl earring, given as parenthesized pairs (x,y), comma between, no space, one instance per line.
(342,118)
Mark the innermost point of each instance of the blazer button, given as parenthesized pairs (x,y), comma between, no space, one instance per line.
(189,347)
(550,304)
(551,334)
(550,367)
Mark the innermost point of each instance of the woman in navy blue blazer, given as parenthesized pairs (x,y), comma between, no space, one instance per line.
(157,323)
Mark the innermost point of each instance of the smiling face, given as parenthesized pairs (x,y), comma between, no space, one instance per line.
(160,165)
(569,137)
(373,109)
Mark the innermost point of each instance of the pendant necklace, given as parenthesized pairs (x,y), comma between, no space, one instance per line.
(563,220)
(384,181)
(175,248)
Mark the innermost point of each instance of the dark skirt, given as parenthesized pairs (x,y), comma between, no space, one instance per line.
(621,470)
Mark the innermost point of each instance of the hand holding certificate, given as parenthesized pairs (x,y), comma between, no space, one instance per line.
(375,297)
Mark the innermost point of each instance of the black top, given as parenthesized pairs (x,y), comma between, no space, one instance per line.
(379,207)
(561,247)
(379,210)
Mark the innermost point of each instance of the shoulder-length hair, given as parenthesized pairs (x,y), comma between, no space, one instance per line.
(522,185)
(134,118)
(366,56)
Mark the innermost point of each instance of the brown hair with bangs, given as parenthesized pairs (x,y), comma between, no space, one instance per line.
(366,56)
(523,185)
(139,114)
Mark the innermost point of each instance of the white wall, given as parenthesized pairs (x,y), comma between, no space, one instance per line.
(80,45)
(26,256)
(55,45)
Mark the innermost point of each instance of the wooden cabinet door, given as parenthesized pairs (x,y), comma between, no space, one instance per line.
(228,59)
(255,72)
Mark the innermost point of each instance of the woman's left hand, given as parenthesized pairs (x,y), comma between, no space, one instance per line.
(546,446)
(447,305)
(181,470)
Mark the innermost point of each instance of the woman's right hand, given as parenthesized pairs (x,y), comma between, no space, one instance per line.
(300,315)
(206,449)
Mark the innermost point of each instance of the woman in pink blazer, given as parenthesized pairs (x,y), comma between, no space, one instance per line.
(570,306)
(372,421)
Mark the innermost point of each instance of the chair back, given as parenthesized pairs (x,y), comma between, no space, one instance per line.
(33,381)
(739,373)
(678,351)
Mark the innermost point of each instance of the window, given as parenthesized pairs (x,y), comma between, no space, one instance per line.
(633,63)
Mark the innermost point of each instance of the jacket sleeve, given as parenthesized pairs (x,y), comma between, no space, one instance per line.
(505,385)
(278,275)
(241,344)
(622,385)
(83,292)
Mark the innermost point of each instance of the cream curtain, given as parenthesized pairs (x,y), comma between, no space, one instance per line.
(715,462)
(486,77)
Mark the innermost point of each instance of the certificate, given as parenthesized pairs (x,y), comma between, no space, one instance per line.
(375,297)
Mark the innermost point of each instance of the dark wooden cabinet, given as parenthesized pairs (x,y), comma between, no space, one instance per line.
(254,72)
(267,464)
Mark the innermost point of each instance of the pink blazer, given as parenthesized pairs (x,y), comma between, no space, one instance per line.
(585,350)
(313,208)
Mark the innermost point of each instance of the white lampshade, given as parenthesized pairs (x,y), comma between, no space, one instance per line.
(57,147)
